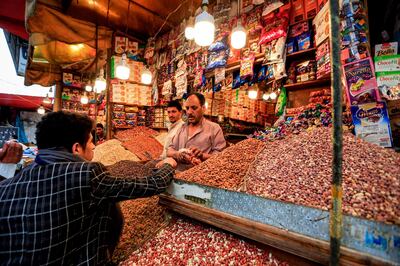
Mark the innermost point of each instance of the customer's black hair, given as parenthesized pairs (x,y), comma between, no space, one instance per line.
(199,96)
(62,130)
(176,104)
(100,125)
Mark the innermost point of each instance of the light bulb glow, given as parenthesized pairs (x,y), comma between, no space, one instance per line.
(204,29)
(41,110)
(100,84)
(238,37)
(206,105)
(189,32)
(146,76)
(84,99)
(253,94)
(273,95)
(122,71)
(265,96)
(47,100)
(88,88)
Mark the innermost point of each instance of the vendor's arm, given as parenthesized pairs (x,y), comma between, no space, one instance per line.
(11,152)
(106,187)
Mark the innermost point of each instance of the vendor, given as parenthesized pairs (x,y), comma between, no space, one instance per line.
(100,133)
(62,210)
(174,111)
(197,139)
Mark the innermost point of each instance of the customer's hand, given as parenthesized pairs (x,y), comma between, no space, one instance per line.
(11,152)
(169,161)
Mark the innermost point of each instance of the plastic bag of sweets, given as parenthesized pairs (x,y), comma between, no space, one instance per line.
(275,51)
(253,21)
(246,65)
(236,80)
(262,74)
(271,5)
(274,26)
(217,59)
(281,102)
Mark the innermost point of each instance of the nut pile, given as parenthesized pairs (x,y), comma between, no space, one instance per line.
(184,243)
(298,169)
(111,151)
(128,134)
(226,169)
(142,217)
(144,147)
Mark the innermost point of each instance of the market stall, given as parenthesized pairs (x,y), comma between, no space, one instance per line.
(269,70)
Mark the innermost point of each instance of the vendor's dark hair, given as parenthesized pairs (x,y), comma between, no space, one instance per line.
(176,104)
(62,130)
(199,96)
(100,125)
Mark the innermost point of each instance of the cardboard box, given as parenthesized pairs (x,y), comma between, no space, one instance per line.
(311,8)
(321,4)
(321,23)
(394,115)
(298,11)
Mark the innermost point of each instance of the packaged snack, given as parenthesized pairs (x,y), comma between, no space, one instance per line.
(262,73)
(275,51)
(131,109)
(279,70)
(321,24)
(387,63)
(311,8)
(247,5)
(389,84)
(217,59)
(118,123)
(131,116)
(269,75)
(304,41)
(118,108)
(298,29)
(306,71)
(131,123)
(119,115)
(274,26)
(389,48)
(359,77)
(198,78)
(234,56)
(120,44)
(217,46)
(229,81)
(281,102)
(246,67)
(67,78)
(253,43)
(367,96)
(236,80)
(253,21)
(219,74)
(291,46)
(271,5)
(298,12)
(167,88)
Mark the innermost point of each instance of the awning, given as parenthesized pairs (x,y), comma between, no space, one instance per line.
(12,17)
(22,102)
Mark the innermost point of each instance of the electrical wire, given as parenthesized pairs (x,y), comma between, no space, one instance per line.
(166,19)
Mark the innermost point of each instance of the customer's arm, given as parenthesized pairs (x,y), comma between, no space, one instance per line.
(105,186)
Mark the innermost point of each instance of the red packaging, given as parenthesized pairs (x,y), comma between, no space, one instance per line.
(311,7)
(297,13)
(321,4)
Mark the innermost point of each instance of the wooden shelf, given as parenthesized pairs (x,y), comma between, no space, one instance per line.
(312,83)
(301,53)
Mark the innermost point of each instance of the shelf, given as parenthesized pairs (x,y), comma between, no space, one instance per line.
(301,53)
(304,85)
(304,20)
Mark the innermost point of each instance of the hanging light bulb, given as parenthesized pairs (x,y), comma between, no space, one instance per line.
(189,30)
(47,100)
(84,99)
(273,95)
(88,88)
(206,105)
(238,37)
(100,83)
(122,71)
(146,76)
(41,110)
(253,94)
(265,96)
(204,28)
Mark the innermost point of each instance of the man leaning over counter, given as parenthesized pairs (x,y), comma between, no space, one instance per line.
(199,138)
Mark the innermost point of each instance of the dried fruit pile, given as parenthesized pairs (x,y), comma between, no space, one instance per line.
(111,151)
(142,217)
(146,148)
(184,243)
(226,169)
(298,169)
(141,141)
(128,134)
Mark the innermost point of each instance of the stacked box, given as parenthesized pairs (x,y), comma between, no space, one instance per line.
(323,59)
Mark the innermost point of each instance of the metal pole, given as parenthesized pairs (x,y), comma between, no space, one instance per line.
(336,208)
(57,106)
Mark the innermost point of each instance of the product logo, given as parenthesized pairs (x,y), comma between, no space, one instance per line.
(373,114)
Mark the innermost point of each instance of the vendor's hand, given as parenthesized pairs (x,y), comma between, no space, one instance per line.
(195,161)
(169,161)
(182,157)
(11,152)
(197,153)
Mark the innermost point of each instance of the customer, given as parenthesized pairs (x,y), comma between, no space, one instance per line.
(174,110)
(100,138)
(60,209)
(199,138)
